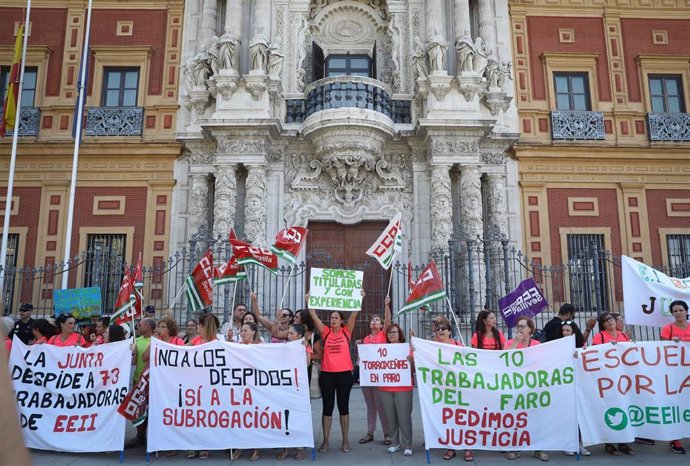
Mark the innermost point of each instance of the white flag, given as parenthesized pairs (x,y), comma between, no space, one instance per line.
(388,243)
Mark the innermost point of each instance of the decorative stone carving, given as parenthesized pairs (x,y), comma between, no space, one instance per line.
(255,205)
(196,70)
(496,201)
(258,50)
(497,101)
(436,49)
(439,89)
(497,73)
(471,201)
(226,55)
(472,57)
(394,33)
(441,208)
(229,145)
(378,5)
(198,204)
(439,147)
(198,100)
(225,85)
(493,158)
(225,201)
(256,88)
(470,86)
(275,59)
(420,59)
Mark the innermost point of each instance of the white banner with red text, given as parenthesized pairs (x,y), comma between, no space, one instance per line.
(630,390)
(67,397)
(228,395)
(497,400)
(384,365)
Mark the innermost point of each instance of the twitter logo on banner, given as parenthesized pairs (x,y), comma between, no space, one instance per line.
(616,418)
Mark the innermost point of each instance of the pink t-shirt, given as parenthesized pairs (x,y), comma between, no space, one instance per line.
(521,345)
(196,341)
(74,339)
(605,337)
(672,331)
(488,341)
(379,339)
(336,350)
(177,341)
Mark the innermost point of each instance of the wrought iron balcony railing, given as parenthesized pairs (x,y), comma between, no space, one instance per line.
(29,121)
(114,121)
(348,91)
(577,125)
(673,127)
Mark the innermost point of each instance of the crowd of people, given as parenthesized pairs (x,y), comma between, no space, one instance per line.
(328,348)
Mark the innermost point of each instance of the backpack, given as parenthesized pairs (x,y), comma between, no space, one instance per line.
(539,335)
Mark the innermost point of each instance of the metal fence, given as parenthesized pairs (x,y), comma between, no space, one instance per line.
(476,272)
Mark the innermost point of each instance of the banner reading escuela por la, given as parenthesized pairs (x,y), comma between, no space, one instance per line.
(384,365)
(630,390)
(67,397)
(228,395)
(497,400)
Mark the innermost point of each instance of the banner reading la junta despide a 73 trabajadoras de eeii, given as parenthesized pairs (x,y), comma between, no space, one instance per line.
(228,395)
(67,397)
(497,400)
(630,390)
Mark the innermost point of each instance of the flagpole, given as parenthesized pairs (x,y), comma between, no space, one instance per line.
(177,296)
(455,320)
(390,279)
(13,159)
(286,286)
(77,142)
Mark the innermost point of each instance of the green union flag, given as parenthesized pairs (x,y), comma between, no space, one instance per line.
(388,244)
(199,285)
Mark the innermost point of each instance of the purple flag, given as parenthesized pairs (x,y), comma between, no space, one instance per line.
(525,300)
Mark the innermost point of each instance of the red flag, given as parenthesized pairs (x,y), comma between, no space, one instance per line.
(138,275)
(427,289)
(231,234)
(135,404)
(410,280)
(200,283)
(125,305)
(288,243)
(230,272)
(248,254)
(9,112)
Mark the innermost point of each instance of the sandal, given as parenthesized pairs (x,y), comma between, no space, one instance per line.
(170,453)
(255,456)
(203,455)
(237,454)
(368,438)
(191,454)
(513,455)
(323,448)
(449,455)
(612,450)
(282,455)
(625,449)
(386,439)
(468,455)
(541,456)
(300,454)
(345,448)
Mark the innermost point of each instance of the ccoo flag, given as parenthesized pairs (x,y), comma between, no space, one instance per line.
(427,289)
(9,112)
(388,243)
(245,254)
(200,283)
(229,272)
(125,305)
(288,243)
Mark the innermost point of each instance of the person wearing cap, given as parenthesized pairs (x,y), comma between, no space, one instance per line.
(552,329)
(149,311)
(24,326)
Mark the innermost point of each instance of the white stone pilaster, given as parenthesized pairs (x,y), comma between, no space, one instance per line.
(255,204)
(441,208)
(225,201)
(473,228)
(198,203)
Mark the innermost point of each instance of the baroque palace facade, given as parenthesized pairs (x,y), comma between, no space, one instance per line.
(125,173)
(339,114)
(603,91)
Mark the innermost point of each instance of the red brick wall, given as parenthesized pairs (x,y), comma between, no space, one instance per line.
(637,40)
(658,218)
(589,38)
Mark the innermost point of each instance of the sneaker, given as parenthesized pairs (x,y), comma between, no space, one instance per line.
(584,451)
(676,447)
(569,453)
(407,452)
(394,449)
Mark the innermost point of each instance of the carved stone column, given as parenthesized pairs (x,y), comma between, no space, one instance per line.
(441,208)
(208,22)
(496,232)
(225,202)
(473,228)
(436,33)
(461,17)
(233,16)
(255,205)
(496,200)
(198,203)
(487,24)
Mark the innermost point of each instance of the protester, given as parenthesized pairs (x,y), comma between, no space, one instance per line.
(371,394)
(312,337)
(114,333)
(6,324)
(567,328)
(235,324)
(43,331)
(279,328)
(552,328)
(67,335)
(397,401)
(87,331)
(296,332)
(524,330)
(677,331)
(190,331)
(607,330)
(168,331)
(336,377)
(24,326)
(487,335)
(250,336)
(150,312)
(141,348)
(250,318)
(101,327)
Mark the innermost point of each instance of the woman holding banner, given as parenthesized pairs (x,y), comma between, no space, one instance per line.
(677,331)
(371,394)
(249,334)
(336,377)
(67,335)
(311,336)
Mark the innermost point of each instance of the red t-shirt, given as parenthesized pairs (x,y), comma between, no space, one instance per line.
(74,339)
(379,339)
(196,341)
(521,345)
(489,343)
(672,331)
(336,350)
(605,337)
(175,341)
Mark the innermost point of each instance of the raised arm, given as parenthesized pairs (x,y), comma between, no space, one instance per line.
(386,313)
(257,312)
(353,317)
(318,325)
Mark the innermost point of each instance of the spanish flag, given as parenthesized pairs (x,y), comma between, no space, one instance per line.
(9,112)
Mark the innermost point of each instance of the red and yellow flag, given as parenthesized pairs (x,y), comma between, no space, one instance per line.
(9,112)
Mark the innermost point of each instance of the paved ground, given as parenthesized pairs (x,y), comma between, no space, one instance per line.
(373,453)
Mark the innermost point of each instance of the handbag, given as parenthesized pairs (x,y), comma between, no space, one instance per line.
(314,388)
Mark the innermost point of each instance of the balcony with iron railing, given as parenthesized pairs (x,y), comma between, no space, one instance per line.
(114,121)
(671,127)
(29,121)
(348,92)
(577,125)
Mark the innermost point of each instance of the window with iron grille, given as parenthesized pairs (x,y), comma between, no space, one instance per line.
(120,87)
(583,251)
(572,91)
(11,270)
(28,89)
(103,268)
(678,255)
(666,93)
